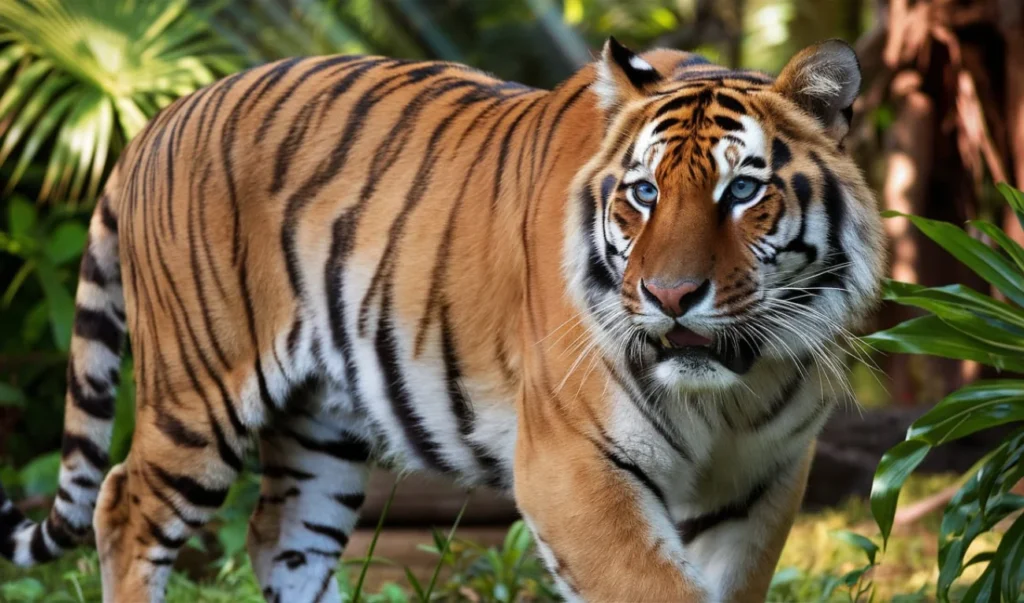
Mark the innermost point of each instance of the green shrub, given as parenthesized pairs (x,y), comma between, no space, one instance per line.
(964,324)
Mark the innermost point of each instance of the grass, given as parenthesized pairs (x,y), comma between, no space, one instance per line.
(813,561)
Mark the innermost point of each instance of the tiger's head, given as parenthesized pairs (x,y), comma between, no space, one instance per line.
(722,222)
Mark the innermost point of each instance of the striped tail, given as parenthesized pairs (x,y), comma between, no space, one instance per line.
(93,370)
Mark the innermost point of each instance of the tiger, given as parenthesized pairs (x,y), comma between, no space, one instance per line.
(622,302)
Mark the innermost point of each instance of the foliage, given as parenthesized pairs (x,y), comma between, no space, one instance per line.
(82,77)
(964,324)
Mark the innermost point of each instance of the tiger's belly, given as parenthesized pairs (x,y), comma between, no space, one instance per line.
(420,411)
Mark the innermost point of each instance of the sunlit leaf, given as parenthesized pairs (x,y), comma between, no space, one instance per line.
(862,543)
(930,335)
(119,60)
(893,470)
(983,260)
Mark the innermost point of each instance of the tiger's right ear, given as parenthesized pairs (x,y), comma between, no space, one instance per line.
(622,76)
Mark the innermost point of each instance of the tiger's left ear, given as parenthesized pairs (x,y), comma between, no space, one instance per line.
(824,80)
(622,76)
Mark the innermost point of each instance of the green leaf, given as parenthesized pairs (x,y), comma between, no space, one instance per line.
(22,589)
(11,395)
(59,304)
(980,406)
(1010,558)
(1015,198)
(39,476)
(958,296)
(416,587)
(930,335)
(66,242)
(863,543)
(980,258)
(1011,247)
(896,465)
(21,217)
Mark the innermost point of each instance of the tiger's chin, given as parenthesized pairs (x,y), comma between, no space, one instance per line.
(686,361)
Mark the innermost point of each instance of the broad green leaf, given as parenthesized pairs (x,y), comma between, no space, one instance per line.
(930,335)
(66,242)
(973,408)
(977,256)
(1010,557)
(959,296)
(39,476)
(863,543)
(1011,247)
(984,588)
(893,470)
(59,303)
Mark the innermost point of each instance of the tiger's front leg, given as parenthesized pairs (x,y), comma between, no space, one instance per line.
(602,531)
(314,479)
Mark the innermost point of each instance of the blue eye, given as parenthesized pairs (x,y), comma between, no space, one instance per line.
(645,193)
(743,188)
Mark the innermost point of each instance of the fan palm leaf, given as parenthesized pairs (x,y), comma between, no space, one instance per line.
(81,77)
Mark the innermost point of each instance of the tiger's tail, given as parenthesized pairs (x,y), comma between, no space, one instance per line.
(94,366)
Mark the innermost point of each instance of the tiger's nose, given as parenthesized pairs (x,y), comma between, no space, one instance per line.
(677,299)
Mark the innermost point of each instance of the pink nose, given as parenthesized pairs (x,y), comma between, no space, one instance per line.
(680,297)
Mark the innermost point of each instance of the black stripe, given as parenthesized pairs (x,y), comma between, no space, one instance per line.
(40,551)
(459,403)
(280,471)
(85,482)
(754,162)
(730,103)
(65,495)
(629,466)
(90,270)
(690,529)
(291,558)
(57,529)
(330,165)
(192,491)
(781,155)
(676,441)
(333,533)
(346,449)
(89,450)
(106,216)
(166,500)
(250,315)
(727,123)
(398,394)
(161,537)
(95,325)
(781,401)
(178,432)
(352,501)
(553,126)
(195,235)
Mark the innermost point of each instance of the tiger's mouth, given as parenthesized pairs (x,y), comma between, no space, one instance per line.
(686,344)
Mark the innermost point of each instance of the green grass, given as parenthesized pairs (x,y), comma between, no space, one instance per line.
(813,560)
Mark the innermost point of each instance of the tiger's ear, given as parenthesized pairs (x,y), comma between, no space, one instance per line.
(824,80)
(622,76)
